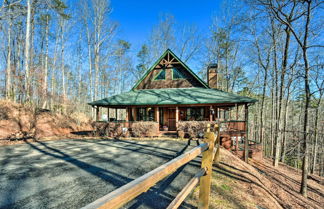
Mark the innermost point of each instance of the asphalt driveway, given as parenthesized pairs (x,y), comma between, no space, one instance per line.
(73,173)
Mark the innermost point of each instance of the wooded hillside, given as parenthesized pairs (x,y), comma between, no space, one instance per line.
(59,55)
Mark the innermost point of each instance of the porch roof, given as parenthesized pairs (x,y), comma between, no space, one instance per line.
(172,96)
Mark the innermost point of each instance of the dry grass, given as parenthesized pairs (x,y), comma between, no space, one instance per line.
(236,184)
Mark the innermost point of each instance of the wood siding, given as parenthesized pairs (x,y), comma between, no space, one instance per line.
(149,82)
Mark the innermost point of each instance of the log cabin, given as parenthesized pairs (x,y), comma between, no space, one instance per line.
(170,94)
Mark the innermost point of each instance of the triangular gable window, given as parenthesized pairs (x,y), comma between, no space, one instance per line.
(161,75)
(167,60)
(177,74)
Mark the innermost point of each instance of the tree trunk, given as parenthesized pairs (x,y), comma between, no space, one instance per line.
(46,63)
(79,69)
(8,69)
(275,140)
(90,64)
(19,81)
(97,60)
(53,74)
(303,188)
(280,100)
(27,50)
(315,144)
(284,142)
(62,62)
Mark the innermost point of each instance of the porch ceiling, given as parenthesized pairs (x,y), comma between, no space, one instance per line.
(174,96)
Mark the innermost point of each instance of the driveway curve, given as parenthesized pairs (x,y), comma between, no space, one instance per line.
(73,173)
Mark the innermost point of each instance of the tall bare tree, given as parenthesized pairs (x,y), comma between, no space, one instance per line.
(279,12)
(27,50)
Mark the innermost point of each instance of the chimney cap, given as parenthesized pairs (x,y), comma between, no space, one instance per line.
(212,65)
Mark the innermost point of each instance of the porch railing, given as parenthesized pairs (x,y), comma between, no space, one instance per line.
(128,192)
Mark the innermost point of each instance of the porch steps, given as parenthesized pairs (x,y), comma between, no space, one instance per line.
(172,134)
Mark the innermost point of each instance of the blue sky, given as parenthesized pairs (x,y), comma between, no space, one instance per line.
(136,18)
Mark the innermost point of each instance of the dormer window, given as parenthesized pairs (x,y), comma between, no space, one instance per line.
(177,74)
(160,76)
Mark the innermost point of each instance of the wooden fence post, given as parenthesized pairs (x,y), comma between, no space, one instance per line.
(208,128)
(207,163)
(246,138)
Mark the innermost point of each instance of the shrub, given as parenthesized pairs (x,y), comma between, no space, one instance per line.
(181,134)
(4,113)
(99,128)
(80,117)
(110,129)
(194,128)
(114,129)
(145,128)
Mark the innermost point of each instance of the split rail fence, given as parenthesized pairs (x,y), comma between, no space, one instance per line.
(130,191)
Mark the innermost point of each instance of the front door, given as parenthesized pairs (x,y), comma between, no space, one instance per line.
(172,119)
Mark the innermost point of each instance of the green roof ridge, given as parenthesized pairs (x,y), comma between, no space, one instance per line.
(193,95)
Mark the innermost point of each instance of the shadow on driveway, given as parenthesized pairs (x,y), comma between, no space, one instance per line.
(95,168)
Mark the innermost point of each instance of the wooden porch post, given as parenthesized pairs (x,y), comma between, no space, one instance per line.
(127,115)
(116,114)
(236,144)
(210,113)
(157,117)
(246,141)
(108,118)
(134,113)
(157,114)
(97,113)
(177,116)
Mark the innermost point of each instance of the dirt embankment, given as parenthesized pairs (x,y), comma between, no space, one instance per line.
(20,122)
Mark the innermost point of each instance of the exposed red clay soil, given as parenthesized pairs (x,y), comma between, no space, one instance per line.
(19,122)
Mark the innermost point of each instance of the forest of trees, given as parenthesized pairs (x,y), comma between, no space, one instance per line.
(60,56)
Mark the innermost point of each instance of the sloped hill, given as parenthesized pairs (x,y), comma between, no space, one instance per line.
(285,184)
(19,122)
(236,184)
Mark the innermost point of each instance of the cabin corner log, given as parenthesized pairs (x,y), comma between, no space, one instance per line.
(128,192)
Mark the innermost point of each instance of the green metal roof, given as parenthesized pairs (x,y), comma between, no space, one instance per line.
(172,96)
(179,60)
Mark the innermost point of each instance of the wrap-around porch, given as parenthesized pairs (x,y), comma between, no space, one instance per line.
(232,118)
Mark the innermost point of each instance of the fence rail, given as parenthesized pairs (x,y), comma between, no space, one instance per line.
(128,192)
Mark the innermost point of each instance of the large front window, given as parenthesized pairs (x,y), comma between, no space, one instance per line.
(145,114)
(195,113)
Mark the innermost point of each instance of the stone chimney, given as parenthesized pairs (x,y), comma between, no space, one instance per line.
(212,76)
